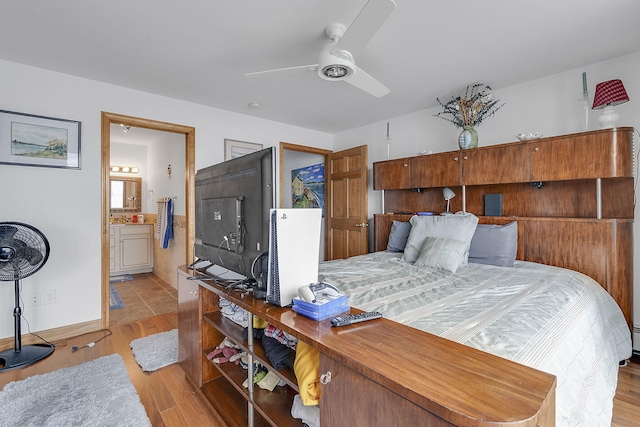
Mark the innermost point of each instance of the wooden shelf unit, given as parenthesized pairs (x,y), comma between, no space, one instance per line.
(223,383)
(383,373)
(578,215)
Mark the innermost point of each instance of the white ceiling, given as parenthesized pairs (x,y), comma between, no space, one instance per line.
(199,50)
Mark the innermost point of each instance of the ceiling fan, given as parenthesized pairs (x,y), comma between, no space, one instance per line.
(336,61)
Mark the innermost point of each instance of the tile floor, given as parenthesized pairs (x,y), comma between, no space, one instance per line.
(145,296)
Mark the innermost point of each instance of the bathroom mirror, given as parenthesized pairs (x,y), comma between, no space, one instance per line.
(125,194)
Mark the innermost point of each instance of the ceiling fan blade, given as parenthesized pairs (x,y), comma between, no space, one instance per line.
(366,25)
(365,82)
(288,70)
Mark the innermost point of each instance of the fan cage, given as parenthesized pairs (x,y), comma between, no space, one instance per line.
(23,250)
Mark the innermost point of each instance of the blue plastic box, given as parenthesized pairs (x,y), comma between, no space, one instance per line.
(321,310)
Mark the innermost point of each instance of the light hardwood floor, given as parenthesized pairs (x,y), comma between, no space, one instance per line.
(626,406)
(172,401)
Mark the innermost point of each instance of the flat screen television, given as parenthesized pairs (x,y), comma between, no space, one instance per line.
(233,199)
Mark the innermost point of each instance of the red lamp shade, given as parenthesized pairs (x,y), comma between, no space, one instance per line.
(611,92)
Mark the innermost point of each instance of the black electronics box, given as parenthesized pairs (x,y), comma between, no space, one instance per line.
(493,205)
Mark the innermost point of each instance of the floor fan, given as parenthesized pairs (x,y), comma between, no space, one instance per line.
(23,251)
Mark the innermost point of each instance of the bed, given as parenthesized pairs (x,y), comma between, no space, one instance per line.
(461,281)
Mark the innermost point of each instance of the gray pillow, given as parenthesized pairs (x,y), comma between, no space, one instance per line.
(494,244)
(440,253)
(398,236)
(458,227)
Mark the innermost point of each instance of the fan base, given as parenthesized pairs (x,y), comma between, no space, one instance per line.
(11,359)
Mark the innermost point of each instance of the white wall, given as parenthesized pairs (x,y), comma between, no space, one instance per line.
(65,204)
(550,105)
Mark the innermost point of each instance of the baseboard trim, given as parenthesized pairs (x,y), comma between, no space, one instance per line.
(55,334)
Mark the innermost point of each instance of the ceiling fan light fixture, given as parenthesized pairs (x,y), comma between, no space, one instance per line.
(336,72)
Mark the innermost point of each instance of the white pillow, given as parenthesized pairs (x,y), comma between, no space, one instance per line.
(457,227)
(440,253)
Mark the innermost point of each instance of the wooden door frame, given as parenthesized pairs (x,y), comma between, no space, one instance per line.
(310,150)
(190,138)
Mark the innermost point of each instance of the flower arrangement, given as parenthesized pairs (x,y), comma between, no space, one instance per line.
(471,107)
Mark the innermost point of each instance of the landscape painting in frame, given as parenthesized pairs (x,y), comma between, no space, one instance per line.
(234,149)
(307,187)
(30,140)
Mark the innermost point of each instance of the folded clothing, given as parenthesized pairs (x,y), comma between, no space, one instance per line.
(233,312)
(307,370)
(226,351)
(282,337)
(310,415)
(279,355)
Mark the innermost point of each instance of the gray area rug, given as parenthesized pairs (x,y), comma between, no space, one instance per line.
(120,278)
(95,393)
(156,351)
(115,301)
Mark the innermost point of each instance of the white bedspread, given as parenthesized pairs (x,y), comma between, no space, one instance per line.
(552,319)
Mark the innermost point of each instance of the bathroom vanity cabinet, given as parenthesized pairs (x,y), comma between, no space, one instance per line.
(130,248)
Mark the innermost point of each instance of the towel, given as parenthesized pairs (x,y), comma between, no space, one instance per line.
(160,221)
(168,225)
(164,222)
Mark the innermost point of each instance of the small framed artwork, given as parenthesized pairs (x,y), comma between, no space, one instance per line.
(30,140)
(233,149)
(307,187)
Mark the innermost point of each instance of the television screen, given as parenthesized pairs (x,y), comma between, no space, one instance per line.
(233,199)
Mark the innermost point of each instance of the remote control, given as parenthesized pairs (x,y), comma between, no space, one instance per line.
(355,318)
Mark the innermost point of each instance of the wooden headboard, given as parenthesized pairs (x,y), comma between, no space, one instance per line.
(578,215)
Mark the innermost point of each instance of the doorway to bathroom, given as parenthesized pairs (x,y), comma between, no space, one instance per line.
(183,225)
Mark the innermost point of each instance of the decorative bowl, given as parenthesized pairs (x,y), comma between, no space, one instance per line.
(528,136)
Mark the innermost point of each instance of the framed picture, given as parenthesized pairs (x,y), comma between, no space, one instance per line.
(307,187)
(233,149)
(30,140)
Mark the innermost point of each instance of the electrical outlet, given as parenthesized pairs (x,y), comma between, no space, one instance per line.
(35,299)
(49,296)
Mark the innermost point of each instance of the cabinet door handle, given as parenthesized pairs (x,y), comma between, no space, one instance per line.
(466,158)
(455,159)
(325,378)
(362,224)
(405,165)
(537,149)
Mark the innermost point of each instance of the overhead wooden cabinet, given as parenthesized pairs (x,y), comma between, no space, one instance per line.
(499,164)
(392,175)
(436,170)
(588,155)
(598,154)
